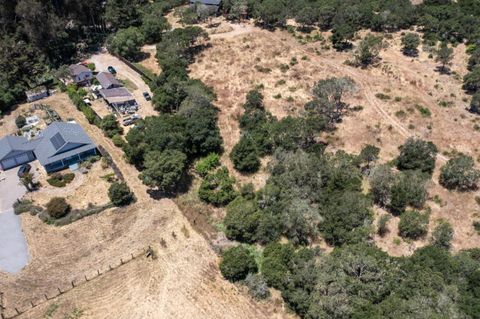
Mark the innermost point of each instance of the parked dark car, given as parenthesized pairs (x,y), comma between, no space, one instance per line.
(24,169)
(112,70)
(147,96)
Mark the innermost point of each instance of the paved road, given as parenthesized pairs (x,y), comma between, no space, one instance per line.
(13,246)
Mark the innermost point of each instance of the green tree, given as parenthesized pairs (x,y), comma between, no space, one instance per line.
(218,188)
(120,194)
(459,173)
(153,26)
(408,190)
(368,50)
(164,169)
(242,220)
(110,126)
(244,156)
(471,81)
(442,235)
(126,43)
(444,55)
(20,121)
(381,182)
(237,263)
(417,154)
(327,101)
(410,43)
(413,224)
(122,13)
(271,12)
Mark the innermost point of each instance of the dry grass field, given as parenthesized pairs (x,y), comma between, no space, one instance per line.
(231,66)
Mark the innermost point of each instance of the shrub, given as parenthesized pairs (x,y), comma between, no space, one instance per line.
(217,188)
(459,173)
(382,228)
(413,224)
(257,286)
(417,154)
(207,164)
(237,263)
(120,194)
(58,207)
(20,121)
(442,235)
(60,180)
(118,141)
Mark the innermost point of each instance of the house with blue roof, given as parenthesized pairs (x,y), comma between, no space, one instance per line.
(59,146)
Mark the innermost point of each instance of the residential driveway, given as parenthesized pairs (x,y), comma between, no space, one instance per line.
(13,246)
(104,59)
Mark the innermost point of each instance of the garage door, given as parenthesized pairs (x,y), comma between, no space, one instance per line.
(23,158)
(9,163)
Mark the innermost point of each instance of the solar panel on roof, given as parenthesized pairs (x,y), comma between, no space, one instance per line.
(57,141)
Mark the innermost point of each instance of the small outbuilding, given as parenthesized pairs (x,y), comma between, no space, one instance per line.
(108,81)
(36,93)
(80,74)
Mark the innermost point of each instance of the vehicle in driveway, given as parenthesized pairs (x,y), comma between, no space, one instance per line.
(111,69)
(147,96)
(24,169)
(130,120)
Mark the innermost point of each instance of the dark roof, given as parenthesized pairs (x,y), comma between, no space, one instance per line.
(115,92)
(77,69)
(207,2)
(107,80)
(11,143)
(61,140)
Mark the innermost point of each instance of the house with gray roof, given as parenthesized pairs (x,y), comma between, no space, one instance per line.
(58,146)
(80,74)
(108,81)
(63,144)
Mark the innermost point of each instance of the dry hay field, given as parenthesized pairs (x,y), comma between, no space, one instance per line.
(184,282)
(236,63)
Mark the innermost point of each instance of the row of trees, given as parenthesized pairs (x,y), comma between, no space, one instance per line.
(361,281)
(163,147)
